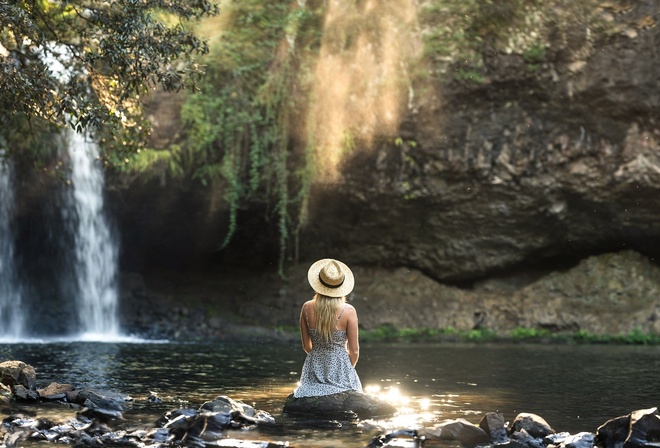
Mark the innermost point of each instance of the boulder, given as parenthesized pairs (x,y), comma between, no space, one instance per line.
(494,425)
(644,428)
(23,393)
(363,405)
(613,432)
(535,425)
(459,430)
(13,373)
(525,439)
(104,399)
(638,429)
(55,391)
(579,440)
(237,410)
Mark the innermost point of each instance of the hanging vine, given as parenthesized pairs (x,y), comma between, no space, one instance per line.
(237,126)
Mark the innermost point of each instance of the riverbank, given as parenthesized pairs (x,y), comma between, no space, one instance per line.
(611,298)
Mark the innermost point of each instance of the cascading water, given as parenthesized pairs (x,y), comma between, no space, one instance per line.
(95,246)
(11,315)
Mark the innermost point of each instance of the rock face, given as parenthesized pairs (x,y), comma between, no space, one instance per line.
(534,164)
(524,168)
(614,293)
(342,404)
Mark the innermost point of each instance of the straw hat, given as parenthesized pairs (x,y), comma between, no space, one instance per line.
(331,278)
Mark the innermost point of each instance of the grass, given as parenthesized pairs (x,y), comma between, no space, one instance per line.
(389,333)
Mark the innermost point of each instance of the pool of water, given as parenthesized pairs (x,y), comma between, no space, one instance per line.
(574,387)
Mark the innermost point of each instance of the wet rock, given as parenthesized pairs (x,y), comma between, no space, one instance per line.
(177,418)
(154,398)
(23,393)
(102,398)
(227,405)
(238,410)
(106,406)
(198,427)
(234,443)
(535,425)
(494,425)
(644,428)
(613,432)
(640,428)
(556,438)
(523,438)
(55,391)
(579,440)
(459,430)
(181,427)
(14,439)
(102,414)
(363,405)
(403,438)
(14,373)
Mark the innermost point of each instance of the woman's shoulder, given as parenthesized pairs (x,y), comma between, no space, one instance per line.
(350,309)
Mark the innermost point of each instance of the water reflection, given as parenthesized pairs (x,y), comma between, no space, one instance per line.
(575,388)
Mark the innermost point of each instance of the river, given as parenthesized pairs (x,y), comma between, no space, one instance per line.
(574,387)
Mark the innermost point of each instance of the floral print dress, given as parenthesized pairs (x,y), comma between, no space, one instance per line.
(327,369)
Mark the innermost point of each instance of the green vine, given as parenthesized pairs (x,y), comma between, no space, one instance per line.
(237,126)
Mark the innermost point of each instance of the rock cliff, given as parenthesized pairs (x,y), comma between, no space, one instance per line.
(527,166)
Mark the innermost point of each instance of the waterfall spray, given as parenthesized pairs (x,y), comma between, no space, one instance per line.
(11,316)
(96,248)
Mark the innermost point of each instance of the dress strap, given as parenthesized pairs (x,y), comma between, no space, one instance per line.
(342,312)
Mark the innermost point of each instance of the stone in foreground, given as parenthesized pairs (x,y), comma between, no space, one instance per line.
(363,405)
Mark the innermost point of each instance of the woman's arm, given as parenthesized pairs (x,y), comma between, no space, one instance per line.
(304,332)
(353,345)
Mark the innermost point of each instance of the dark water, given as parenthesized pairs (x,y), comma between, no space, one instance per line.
(575,388)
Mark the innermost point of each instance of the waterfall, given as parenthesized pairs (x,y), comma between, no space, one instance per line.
(11,315)
(95,245)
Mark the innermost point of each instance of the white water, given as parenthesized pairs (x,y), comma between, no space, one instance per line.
(95,245)
(11,315)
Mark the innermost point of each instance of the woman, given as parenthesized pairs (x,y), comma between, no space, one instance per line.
(329,333)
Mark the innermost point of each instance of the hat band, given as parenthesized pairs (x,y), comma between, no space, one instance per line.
(327,285)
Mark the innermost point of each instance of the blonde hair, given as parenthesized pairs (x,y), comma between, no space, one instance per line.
(325,310)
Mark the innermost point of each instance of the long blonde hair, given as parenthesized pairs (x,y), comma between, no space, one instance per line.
(325,310)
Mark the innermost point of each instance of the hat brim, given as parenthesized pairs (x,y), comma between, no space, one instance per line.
(315,282)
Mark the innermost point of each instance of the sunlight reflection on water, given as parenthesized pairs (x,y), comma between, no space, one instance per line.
(428,383)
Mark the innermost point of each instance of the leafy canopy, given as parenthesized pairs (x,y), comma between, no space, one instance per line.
(88,61)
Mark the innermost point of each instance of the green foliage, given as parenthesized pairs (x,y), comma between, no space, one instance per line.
(386,332)
(469,75)
(458,33)
(634,337)
(480,335)
(237,125)
(534,56)
(113,52)
(390,333)
(526,334)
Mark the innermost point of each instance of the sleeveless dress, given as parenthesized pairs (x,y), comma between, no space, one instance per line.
(327,369)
